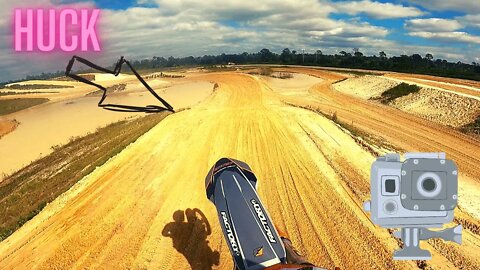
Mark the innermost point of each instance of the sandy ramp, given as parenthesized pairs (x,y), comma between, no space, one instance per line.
(365,87)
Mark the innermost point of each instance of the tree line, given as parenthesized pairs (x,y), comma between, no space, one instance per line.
(414,63)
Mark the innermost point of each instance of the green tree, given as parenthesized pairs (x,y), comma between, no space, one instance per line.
(286,55)
(357,53)
(265,55)
(317,53)
(416,58)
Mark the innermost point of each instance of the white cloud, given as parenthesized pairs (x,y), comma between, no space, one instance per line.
(449,36)
(432,25)
(445,30)
(193,27)
(470,20)
(377,10)
(467,6)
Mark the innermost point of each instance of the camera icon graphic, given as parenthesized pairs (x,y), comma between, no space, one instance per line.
(419,193)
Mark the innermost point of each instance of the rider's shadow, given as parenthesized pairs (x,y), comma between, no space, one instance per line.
(190,238)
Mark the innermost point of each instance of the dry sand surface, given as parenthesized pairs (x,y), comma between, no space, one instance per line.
(72,114)
(47,125)
(313,177)
(365,87)
(441,107)
(298,83)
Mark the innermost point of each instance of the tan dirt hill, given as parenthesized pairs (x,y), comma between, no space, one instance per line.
(441,107)
(365,87)
(447,102)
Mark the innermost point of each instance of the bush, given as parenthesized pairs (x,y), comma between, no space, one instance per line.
(472,128)
(334,117)
(400,90)
(266,71)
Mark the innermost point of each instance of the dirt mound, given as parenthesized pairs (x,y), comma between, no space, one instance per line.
(440,107)
(89,77)
(112,89)
(365,87)
(7,126)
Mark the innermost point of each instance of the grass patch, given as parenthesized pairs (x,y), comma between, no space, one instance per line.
(8,106)
(25,193)
(36,86)
(268,71)
(365,139)
(357,73)
(400,90)
(89,77)
(23,93)
(219,68)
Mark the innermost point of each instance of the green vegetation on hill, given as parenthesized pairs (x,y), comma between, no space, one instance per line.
(25,193)
(400,90)
(36,86)
(357,73)
(472,128)
(8,106)
(23,93)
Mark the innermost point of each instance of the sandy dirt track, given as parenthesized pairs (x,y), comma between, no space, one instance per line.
(463,87)
(312,178)
(70,113)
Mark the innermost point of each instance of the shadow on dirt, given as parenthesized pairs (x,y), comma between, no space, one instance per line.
(190,238)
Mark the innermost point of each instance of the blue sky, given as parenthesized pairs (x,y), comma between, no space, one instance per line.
(145,28)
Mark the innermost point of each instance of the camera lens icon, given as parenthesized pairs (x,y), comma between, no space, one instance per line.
(390,207)
(429,185)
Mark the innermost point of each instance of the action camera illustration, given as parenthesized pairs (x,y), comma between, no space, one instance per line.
(419,193)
